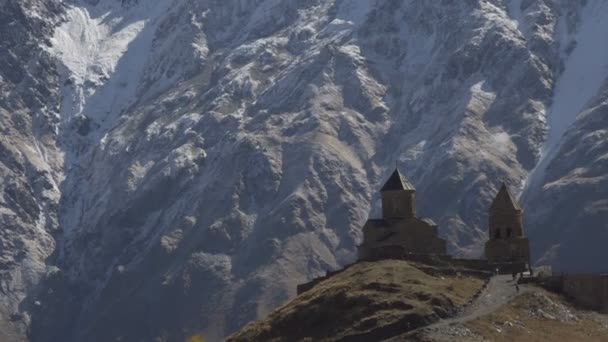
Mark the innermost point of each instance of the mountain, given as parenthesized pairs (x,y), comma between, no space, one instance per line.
(177,167)
(31,161)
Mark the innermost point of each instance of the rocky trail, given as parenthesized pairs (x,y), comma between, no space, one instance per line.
(499,291)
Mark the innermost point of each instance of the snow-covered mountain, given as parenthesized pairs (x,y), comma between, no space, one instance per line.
(176,167)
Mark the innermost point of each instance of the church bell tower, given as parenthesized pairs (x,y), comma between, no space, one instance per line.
(398,197)
(507,242)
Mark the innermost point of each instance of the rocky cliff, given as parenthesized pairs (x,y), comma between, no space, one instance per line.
(178,166)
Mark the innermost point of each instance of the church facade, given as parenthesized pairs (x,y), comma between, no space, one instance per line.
(402,234)
(399,231)
(507,242)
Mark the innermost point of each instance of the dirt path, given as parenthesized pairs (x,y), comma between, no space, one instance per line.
(499,291)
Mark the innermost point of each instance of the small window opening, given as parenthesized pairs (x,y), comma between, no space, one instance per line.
(497,234)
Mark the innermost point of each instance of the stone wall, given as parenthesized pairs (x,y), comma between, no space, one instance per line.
(307,286)
(504,250)
(395,252)
(475,264)
(588,290)
(401,253)
(398,204)
(442,264)
(469,267)
(409,235)
(508,224)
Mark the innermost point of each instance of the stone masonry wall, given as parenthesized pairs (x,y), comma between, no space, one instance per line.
(588,290)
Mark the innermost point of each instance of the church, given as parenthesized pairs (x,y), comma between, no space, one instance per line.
(507,242)
(401,234)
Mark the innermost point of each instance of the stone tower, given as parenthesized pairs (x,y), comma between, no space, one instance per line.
(399,233)
(507,242)
(398,198)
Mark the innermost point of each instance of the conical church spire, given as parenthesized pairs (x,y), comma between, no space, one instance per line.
(505,200)
(397,182)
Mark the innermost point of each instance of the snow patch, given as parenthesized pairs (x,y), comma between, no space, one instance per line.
(481,98)
(480,91)
(413,152)
(355,11)
(516,14)
(92,45)
(501,141)
(586,68)
(351,14)
(137,172)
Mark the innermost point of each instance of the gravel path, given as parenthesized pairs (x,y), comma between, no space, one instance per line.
(499,291)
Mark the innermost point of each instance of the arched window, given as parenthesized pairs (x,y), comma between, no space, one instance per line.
(509,232)
(497,234)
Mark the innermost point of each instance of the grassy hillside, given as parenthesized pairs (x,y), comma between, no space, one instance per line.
(540,316)
(536,315)
(368,301)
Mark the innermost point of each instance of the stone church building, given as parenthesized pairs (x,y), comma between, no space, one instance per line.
(507,242)
(401,234)
(399,231)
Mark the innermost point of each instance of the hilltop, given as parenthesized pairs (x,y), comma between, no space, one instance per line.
(368,300)
(397,300)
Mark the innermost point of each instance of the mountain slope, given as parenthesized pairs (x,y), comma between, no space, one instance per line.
(201,158)
(30,161)
(566,210)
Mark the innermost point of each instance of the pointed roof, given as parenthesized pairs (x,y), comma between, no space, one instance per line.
(505,200)
(397,182)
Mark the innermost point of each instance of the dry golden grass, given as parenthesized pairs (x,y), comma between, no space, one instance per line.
(367,300)
(539,315)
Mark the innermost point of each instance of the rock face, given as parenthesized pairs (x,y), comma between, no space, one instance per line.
(30,161)
(177,167)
